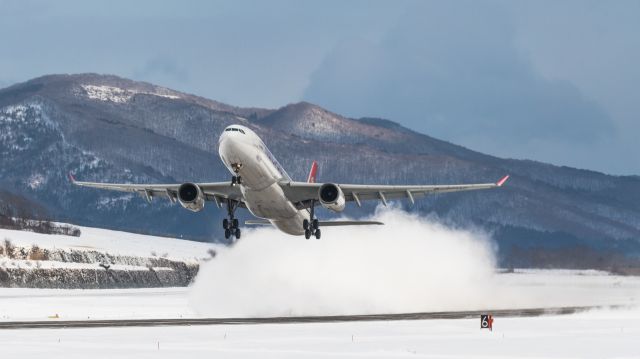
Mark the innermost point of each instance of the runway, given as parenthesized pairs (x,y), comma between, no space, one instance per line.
(500,313)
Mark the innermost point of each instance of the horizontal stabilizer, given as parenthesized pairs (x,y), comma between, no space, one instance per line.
(265,222)
(347,223)
(502,181)
(257,222)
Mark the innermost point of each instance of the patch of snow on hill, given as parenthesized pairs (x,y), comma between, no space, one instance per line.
(19,113)
(320,121)
(14,119)
(107,93)
(114,202)
(117,94)
(36,181)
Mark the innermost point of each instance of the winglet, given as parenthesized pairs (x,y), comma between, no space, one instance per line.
(313,172)
(502,181)
(71,178)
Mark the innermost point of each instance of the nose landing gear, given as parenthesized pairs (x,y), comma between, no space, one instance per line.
(236,169)
(311,225)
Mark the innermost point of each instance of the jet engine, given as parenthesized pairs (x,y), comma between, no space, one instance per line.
(331,197)
(191,197)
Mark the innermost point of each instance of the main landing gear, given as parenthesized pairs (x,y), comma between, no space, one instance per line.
(310,225)
(231,225)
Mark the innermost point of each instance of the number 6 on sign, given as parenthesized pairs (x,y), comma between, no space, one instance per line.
(486,321)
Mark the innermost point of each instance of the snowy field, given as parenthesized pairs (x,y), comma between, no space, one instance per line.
(593,334)
(527,289)
(598,334)
(410,265)
(20,304)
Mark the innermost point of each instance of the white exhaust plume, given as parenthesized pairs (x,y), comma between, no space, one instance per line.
(410,264)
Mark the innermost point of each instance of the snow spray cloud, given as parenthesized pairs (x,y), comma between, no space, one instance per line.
(410,264)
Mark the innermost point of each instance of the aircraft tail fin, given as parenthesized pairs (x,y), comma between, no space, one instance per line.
(313,172)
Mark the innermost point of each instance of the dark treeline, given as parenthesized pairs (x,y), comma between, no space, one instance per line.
(16,213)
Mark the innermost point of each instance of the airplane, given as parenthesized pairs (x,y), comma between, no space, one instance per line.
(260,184)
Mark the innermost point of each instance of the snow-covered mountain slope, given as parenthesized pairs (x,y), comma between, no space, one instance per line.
(112,129)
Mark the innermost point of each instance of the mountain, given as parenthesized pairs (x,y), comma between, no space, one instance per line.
(107,128)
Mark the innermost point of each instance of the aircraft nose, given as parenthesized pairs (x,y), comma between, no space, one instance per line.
(222,137)
(224,140)
(227,146)
(223,144)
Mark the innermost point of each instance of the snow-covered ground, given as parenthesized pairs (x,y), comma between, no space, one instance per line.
(598,334)
(18,304)
(534,289)
(113,242)
(549,288)
(594,334)
(267,274)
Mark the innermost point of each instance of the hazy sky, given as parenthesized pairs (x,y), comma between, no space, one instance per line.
(555,81)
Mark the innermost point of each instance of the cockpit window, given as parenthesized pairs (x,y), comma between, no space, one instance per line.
(235,130)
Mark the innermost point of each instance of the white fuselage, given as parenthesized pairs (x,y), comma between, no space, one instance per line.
(245,155)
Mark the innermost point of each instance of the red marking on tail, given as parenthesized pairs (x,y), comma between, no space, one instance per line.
(313,172)
(71,177)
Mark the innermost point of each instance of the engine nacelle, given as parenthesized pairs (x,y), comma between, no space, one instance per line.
(331,197)
(191,197)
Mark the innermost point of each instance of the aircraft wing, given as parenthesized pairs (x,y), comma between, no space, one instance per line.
(214,191)
(301,192)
